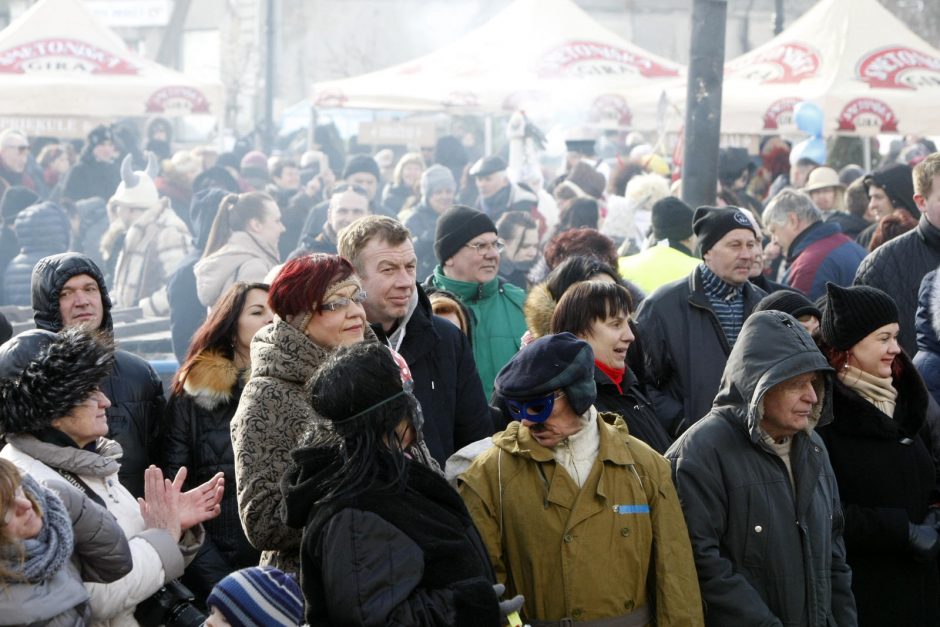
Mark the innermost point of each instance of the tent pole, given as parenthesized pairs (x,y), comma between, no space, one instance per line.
(703,103)
(488,135)
(312,129)
(866,153)
(269,133)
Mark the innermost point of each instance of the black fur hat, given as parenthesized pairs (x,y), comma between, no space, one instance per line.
(43,375)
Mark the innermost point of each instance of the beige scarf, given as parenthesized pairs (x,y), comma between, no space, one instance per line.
(876,390)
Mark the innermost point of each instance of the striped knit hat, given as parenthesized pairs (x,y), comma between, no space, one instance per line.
(258,597)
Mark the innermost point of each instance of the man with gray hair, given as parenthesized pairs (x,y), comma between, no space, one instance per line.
(816,252)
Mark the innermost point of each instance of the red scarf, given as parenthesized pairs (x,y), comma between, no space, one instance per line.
(615,374)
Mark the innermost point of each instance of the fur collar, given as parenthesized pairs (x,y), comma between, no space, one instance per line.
(539,307)
(211,379)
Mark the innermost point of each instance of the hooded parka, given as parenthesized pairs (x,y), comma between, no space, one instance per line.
(584,554)
(766,553)
(135,390)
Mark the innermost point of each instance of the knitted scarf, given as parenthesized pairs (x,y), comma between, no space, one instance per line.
(878,391)
(47,552)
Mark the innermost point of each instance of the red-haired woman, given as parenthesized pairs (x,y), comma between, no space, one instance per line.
(203,400)
(882,461)
(318,302)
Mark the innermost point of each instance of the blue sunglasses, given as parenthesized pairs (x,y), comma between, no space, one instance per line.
(535,410)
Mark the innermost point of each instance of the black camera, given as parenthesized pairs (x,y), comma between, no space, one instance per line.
(171,605)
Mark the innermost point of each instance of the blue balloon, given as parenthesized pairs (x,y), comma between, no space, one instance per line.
(813,148)
(809,118)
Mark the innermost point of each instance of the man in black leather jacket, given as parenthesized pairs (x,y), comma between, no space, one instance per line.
(69,289)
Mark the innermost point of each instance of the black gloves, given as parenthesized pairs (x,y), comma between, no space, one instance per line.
(923,541)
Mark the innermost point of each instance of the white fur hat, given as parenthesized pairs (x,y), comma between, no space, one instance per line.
(137,188)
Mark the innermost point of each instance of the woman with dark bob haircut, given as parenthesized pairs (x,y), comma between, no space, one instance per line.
(599,313)
(318,303)
(203,399)
(386,541)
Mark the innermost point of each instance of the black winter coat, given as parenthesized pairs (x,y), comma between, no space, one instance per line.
(197,436)
(926,323)
(135,390)
(887,480)
(41,230)
(897,267)
(411,557)
(633,406)
(446,381)
(91,178)
(766,553)
(685,349)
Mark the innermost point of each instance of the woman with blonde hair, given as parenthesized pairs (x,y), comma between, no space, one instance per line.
(242,244)
(404,183)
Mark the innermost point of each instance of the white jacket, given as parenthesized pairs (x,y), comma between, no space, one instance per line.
(156,555)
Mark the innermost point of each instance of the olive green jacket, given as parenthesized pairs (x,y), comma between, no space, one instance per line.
(584,554)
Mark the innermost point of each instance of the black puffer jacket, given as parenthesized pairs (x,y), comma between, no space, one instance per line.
(41,230)
(767,552)
(631,404)
(897,268)
(134,389)
(409,557)
(685,349)
(198,437)
(886,479)
(446,381)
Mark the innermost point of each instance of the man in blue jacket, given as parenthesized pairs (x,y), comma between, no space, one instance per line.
(445,375)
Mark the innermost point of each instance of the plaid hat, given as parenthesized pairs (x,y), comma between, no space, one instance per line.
(457,226)
(851,313)
(789,302)
(258,596)
(552,362)
(710,224)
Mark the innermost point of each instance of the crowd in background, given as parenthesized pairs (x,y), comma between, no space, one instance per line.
(560,391)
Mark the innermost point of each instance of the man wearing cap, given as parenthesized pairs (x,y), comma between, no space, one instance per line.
(97,173)
(816,252)
(671,258)
(468,251)
(689,326)
(759,494)
(898,266)
(497,193)
(826,190)
(889,189)
(437,196)
(577,515)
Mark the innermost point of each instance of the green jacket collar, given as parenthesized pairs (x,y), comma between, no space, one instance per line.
(465,290)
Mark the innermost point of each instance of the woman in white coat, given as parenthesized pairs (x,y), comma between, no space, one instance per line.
(52,414)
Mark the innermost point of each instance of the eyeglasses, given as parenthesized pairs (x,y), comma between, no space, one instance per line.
(343,303)
(537,410)
(483,247)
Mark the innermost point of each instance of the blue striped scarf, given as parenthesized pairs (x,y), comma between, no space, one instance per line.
(726,300)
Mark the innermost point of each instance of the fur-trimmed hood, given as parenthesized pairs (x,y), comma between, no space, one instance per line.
(43,375)
(211,379)
(538,309)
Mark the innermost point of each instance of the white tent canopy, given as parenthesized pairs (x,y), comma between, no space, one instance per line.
(866,70)
(58,61)
(545,56)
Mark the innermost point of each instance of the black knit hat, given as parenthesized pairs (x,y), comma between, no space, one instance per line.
(672,219)
(100,134)
(43,375)
(15,199)
(789,302)
(897,181)
(457,226)
(710,224)
(552,362)
(362,163)
(851,313)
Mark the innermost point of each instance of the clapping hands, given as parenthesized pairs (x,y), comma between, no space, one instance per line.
(165,506)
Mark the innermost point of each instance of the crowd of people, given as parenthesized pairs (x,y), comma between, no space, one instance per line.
(424,390)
